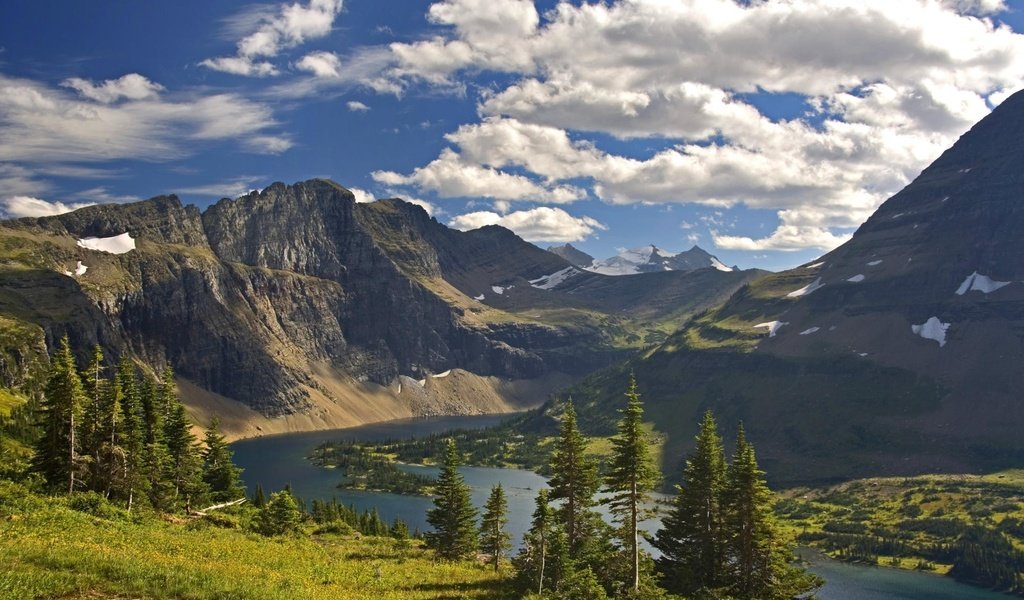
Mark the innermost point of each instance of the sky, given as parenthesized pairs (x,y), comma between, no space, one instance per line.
(764,131)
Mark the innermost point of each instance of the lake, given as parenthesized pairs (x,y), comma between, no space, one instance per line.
(276,461)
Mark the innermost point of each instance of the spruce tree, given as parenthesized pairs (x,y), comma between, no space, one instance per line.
(691,538)
(56,452)
(494,540)
(453,516)
(574,479)
(280,516)
(219,472)
(631,477)
(95,391)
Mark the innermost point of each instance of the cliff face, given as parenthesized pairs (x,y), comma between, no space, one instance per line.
(273,298)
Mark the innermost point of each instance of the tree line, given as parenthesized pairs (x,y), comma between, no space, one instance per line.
(126,435)
(718,540)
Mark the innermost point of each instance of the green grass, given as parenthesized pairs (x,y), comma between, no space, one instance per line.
(50,550)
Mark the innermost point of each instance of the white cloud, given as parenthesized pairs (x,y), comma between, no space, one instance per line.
(131,86)
(26,206)
(272,32)
(431,208)
(320,64)
(541,224)
(356,106)
(230,188)
(451,177)
(45,125)
(888,85)
(361,195)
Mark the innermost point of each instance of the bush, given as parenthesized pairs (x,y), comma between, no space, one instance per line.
(96,505)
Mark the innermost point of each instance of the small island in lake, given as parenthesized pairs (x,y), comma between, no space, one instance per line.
(366,469)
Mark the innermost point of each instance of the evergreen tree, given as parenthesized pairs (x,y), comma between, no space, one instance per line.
(259,500)
(94,389)
(531,562)
(219,472)
(574,479)
(156,462)
(631,477)
(56,453)
(453,516)
(132,433)
(494,540)
(185,467)
(757,557)
(691,538)
(280,516)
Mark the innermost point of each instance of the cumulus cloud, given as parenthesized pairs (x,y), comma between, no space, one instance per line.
(541,224)
(272,32)
(887,85)
(131,86)
(26,206)
(361,195)
(356,106)
(451,177)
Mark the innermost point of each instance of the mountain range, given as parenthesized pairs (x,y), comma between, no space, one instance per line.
(898,352)
(296,307)
(646,259)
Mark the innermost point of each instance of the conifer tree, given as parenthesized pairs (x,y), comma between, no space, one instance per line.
(531,562)
(132,432)
(56,452)
(280,516)
(574,479)
(185,468)
(757,558)
(631,477)
(691,538)
(259,499)
(453,516)
(219,472)
(95,392)
(494,540)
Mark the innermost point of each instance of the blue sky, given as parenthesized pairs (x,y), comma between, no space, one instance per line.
(763,131)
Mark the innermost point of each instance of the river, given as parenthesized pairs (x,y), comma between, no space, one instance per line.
(274,461)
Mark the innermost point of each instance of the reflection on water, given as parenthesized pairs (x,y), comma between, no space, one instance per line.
(276,461)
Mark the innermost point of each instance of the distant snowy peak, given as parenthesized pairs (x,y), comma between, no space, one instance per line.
(651,259)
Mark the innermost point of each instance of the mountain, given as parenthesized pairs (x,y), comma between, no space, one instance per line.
(899,352)
(296,307)
(651,259)
(573,255)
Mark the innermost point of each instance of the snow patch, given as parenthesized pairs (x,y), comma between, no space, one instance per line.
(479,298)
(932,329)
(807,289)
(497,289)
(118,244)
(809,331)
(553,280)
(80,269)
(815,265)
(875,263)
(718,265)
(979,283)
(856,278)
(443,374)
(773,327)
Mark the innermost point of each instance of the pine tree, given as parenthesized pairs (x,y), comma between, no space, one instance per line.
(259,499)
(757,557)
(531,562)
(631,477)
(219,472)
(574,479)
(95,391)
(132,432)
(494,540)
(453,516)
(691,538)
(56,453)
